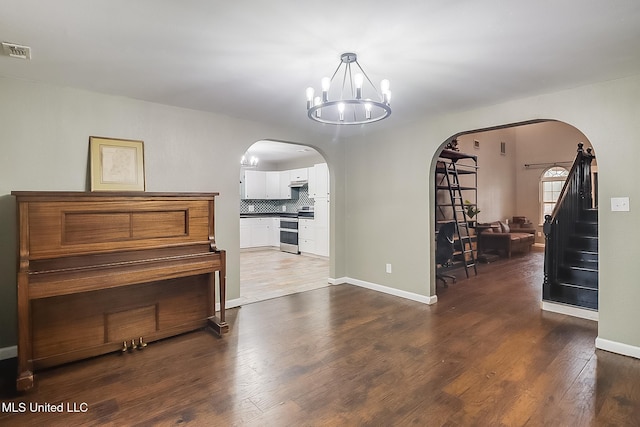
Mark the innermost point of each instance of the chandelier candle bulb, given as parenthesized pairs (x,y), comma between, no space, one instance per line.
(341,110)
(317,101)
(359,79)
(326,84)
(310,93)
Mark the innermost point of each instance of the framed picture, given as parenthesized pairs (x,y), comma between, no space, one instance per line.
(116,164)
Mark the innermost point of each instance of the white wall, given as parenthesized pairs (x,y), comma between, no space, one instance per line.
(44,141)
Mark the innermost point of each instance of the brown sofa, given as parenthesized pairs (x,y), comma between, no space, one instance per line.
(502,238)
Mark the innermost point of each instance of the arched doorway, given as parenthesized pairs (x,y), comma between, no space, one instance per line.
(284,220)
(511,160)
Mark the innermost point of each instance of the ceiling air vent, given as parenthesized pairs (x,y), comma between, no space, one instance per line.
(16,50)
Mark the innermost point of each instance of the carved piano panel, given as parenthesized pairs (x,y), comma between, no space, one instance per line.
(99,271)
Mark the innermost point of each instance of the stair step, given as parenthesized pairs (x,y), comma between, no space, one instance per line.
(585,243)
(578,277)
(567,293)
(580,255)
(590,215)
(587,228)
(585,259)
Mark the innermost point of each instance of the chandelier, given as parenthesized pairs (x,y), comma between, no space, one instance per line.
(348,105)
(251,162)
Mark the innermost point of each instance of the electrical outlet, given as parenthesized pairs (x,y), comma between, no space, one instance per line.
(388,268)
(539,233)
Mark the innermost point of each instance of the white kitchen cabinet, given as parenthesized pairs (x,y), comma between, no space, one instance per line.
(285,180)
(301,174)
(318,180)
(274,232)
(259,232)
(321,225)
(266,185)
(306,236)
(272,179)
(254,185)
(245,232)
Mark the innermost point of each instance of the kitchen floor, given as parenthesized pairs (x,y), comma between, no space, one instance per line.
(267,273)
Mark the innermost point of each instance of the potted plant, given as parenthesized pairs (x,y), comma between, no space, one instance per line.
(471,210)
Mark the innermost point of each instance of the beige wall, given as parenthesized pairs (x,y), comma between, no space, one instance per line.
(382,202)
(546,142)
(44,139)
(496,172)
(389,211)
(506,187)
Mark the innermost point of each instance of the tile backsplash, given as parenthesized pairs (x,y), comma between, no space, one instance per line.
(299,198)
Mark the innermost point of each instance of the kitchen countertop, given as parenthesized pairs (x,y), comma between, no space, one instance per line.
(269,215)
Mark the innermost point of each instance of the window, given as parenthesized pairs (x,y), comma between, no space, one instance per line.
(551,185)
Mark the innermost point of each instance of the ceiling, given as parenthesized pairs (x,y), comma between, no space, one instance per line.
(254,60)
(273,151)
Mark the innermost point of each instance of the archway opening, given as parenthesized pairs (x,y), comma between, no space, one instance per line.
(508,191)
(284,220)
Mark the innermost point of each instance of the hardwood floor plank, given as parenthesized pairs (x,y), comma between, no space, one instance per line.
(485,354)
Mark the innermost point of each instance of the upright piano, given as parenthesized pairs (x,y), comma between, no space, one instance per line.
(100,272)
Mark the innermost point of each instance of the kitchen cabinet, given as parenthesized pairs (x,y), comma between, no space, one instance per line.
(254,185)
(318,180)
(266,185)
(272,187)
(301,174)
(259,232)
(321,226)
(285,180)
(306,235)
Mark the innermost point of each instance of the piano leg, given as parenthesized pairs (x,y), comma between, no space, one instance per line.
(219,325)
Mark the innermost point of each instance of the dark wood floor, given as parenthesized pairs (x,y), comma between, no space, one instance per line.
(483,355)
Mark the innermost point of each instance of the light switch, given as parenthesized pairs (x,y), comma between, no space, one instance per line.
(620,204)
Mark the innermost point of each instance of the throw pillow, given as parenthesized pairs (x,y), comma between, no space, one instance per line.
(504,227)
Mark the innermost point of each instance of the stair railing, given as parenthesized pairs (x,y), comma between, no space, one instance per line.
(574,198)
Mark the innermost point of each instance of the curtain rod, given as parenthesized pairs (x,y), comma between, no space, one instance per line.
(545,165)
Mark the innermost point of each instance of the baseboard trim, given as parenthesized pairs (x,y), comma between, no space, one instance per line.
(231,303)
(385,289)
(569,310)
(8,352)
(618,347)
(338,281)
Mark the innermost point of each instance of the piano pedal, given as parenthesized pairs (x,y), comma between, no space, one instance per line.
(141,344)
(124,347)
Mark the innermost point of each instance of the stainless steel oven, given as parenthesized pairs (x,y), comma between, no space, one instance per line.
(289,235)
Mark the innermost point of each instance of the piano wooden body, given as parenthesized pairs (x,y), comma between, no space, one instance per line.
(105,272)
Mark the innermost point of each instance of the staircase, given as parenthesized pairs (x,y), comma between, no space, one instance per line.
(571,250)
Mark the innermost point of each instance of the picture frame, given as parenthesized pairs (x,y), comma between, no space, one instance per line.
(116,164)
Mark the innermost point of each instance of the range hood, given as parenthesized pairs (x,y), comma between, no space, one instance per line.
(300,183)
